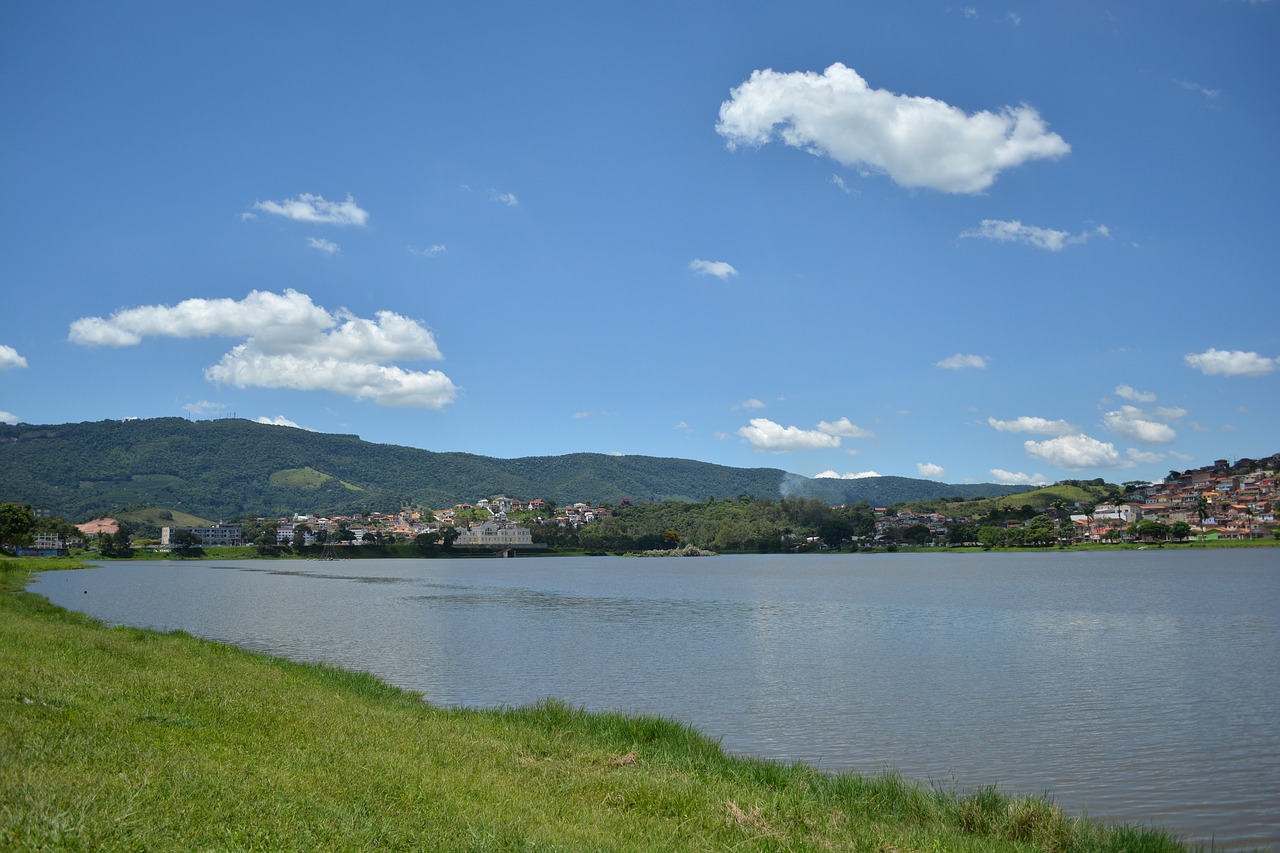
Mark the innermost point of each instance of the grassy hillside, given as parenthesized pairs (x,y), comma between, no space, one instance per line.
(1068,493)
(223,468)
(123,739)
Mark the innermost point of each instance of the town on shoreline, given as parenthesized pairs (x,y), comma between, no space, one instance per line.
(1220,503)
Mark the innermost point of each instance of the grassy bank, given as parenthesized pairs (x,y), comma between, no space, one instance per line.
(123,739)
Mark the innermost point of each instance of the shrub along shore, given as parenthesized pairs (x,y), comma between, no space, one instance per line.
(126,739)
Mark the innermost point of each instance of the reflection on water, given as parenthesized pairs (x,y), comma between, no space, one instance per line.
(1139,686)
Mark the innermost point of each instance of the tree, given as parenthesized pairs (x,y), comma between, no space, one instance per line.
(1066,530)
(187,543)
(1039,530)
(1180,530)
(118,544)
(1202,509)
(17,525)
(426,542)
(917,534)
(961,534)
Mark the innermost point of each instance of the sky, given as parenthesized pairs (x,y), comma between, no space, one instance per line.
(1012,242)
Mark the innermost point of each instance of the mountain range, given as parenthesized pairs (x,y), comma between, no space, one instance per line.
(227,468)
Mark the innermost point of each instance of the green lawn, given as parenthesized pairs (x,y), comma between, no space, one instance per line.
(124,739)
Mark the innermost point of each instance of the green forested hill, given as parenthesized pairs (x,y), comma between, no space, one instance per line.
(231,467)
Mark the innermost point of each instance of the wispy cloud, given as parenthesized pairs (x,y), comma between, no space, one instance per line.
(1210,94)
(1009,478)
(753,403)
(1034,426)
(314,208)
(719,269)
(1134,395)
(290,342)
(203,408)
(844,428)
(319,243)
(1013,231)
(429,252)
(961,361)
(843,185)
(9,358)
(509,199)
(1214,362)
(917,141)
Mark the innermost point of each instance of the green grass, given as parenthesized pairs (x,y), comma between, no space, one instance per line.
(161,517)
(124,739)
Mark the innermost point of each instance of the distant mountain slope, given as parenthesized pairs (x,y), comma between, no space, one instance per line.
(224,468)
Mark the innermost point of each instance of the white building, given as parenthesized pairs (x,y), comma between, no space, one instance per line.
(219,534)
(492,534)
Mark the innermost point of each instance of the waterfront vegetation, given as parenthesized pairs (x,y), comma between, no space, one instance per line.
(120,738)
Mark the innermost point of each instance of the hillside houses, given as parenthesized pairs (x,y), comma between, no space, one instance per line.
(1221,501)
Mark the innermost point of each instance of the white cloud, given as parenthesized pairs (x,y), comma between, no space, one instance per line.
(509,199)
(1035,426)
(1009,478)
(930,471)
(9,358)
(1013,231)
(313,208)
(764,434)
(844,428)
(1075,452)
(8,418)
(719,269)
(843,185)
(1134,395)
(203,407)
(290,316)
(916,141)
(753,403)
(960,361)
(1143,456)
(280,420)
(291,343)
(1138,425)
(832,475)
(1211,94)
(429,252)
(326,246)
(1214,362)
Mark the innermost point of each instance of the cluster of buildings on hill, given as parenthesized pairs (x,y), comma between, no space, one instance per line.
(492,530)
(1222,501)
(1219,501)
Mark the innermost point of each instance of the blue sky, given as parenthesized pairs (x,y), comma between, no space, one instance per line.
(997,242)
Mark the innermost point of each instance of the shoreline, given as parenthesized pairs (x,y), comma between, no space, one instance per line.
(169,724)
(400,552)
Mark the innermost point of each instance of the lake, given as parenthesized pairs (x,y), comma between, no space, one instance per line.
(1135,686)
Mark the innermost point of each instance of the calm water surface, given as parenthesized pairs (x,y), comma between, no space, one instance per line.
(1139,687)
